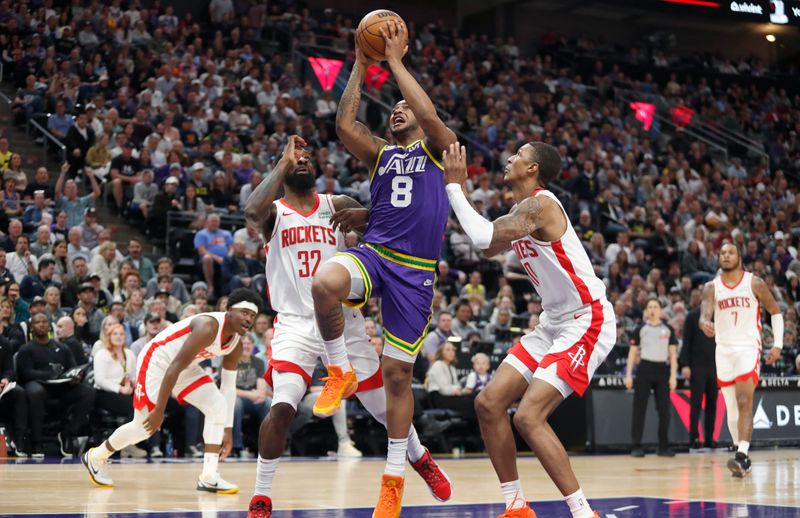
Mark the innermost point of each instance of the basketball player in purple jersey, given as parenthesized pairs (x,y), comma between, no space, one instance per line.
(403,240)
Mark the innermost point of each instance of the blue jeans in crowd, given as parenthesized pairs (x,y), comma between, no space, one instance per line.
(245,406)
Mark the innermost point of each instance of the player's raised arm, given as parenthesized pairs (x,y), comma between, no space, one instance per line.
(438,135)
(766,299)
(492,237)
(355,136)
(259,210)
(707,310)
(203,331)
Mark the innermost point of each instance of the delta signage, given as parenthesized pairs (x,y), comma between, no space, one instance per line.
(776,416)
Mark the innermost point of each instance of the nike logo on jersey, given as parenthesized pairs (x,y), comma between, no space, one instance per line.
(576,316)
(287,213)
(428,282)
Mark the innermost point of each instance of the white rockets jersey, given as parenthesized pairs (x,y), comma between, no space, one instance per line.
(560,270)
(737,313)
(165,346)
(299,244)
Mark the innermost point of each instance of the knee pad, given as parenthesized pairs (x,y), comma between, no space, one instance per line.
(288,388)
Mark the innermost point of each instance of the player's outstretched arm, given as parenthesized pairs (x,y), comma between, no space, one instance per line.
(259,210)
(355,136)
(437,134)
(202,333)
(349,215)
(707,310)
(492,237)
(766,299)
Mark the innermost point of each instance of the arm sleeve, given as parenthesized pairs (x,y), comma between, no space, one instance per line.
(228,388)
(777,330)
(478,229)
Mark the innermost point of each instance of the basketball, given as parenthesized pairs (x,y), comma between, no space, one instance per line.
(368,33)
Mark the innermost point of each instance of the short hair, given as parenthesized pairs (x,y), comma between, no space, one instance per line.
(654,299)
(244,295)
(78,258)
(462,302)
(548,159)
(44,263)
(163,277)
(164,260)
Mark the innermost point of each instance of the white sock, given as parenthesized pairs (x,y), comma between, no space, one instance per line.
(396,457)
(336,353)
(578,505)
(729,396)
(101,453)
(210,465)
(340,425)
(744,447)
(415,448)
(512,492)
(265,474)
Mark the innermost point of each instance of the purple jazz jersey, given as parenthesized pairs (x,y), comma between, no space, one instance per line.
(409,203)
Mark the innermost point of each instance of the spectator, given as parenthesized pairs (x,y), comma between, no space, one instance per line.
(79,138)
(698,363)
(252,240)
(443,386)
(86,301)
(98,158)
(44,242)
(480,375)
(68,200)
(80,274)
(221,195)
(438,336)
(9,241)
(105,264)
(5,275)
(135,309)
(35,285)
(152,326)
(144,194)
(179,291)
(90,229)
(13,404)
(252,392)
(41,364)
(52,305)
(125,173)
(19,307)
(10,199)
(192,205)
(65,333)
(212,245)
(142,264)
(22,262)
(41,182)
(462,326)
(165,201)
(59,123)
(15,172)
(34,213)
(238,269)
(5,154)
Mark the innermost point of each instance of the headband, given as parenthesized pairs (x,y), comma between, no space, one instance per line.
(246,305)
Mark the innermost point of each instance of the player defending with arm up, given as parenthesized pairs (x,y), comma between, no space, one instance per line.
(734,299)
(576,332)
(398,262)
(169,366)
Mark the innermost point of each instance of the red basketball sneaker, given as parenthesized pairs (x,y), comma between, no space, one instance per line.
(260,507)
(440,486)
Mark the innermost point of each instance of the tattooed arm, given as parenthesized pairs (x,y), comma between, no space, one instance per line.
(493,237)
(259,211)
(356,136)
(707,309)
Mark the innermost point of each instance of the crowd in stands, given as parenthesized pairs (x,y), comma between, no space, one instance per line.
(163,114)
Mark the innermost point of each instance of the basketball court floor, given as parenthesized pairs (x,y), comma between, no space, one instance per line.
(687,486)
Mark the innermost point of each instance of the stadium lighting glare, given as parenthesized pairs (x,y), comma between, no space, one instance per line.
(770,38)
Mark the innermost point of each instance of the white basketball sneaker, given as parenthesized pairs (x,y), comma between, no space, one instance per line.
(347,450)
(97,470)
(219,486)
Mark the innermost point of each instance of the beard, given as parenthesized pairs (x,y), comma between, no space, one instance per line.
(727,269)
(300,182)
(403,133)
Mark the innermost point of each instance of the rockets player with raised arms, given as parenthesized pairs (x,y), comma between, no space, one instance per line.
(734,299)
(576,330)
(169,366)
(301,231)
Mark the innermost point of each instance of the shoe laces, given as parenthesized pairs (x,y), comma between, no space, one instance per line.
(429,471)
(333,384)
(390,497)
(259,509)
(512,512)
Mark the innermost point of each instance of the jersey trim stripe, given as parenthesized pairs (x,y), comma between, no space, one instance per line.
(141,398)
(367,282)
(300,212)
(285,366)
(377,161)
(196,384)
(430,155)
(524,356)
(735,285)
(400,258)
(566,264)
(373,382)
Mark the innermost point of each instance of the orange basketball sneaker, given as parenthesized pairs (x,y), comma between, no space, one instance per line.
(338,386)
(518,512)
(390,502)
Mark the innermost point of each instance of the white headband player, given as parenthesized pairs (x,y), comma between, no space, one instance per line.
(246,305)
